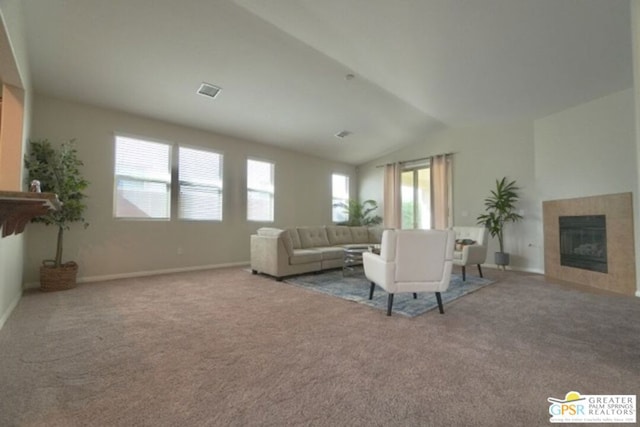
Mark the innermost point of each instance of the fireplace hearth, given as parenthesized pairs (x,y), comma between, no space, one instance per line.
(590,241)
(583,242)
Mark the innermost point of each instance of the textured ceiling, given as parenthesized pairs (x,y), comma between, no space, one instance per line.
(418,65)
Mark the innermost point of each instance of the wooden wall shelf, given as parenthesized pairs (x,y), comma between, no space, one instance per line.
(17,208)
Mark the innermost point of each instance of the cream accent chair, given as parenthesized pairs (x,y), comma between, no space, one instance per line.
(470,254)
(411,261)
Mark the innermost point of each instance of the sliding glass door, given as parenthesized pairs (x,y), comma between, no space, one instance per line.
(416,197)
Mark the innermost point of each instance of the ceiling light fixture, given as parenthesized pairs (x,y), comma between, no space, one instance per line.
(342,134)
(207,89)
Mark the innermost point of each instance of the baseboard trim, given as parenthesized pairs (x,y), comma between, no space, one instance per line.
(89,279)
(157,272)
(511,268)
(13,305)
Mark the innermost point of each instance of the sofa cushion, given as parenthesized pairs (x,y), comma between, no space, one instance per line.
(330,252)
(338,235)
(375,234)
(305,256)
(356,245)
(295,238)
(288,243)
(282,234)
(269,231)
(461,243)
(312,237)
(359,234)
(470,233)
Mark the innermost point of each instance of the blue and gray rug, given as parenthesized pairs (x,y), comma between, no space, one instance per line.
(355,287)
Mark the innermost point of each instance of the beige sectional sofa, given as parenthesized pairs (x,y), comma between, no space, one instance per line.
(285,252)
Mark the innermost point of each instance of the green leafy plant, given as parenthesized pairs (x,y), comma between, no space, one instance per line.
(359,213)
(58,170)
(500,207)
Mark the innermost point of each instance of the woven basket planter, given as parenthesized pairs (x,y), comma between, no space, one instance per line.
(58,279)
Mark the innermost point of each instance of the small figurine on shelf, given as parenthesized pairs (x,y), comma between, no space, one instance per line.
(35,186)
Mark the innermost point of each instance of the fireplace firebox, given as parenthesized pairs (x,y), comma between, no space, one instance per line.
(583,242)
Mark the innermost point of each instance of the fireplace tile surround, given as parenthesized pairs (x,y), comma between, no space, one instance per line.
(618,210)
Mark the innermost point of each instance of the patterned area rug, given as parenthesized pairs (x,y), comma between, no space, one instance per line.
(355,287)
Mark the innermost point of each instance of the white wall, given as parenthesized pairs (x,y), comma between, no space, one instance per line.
(11,11)
(110,247)
(587,150)
(11,258)
(482,154)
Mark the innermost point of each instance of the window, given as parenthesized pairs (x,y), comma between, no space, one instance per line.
(340,191)
(142,179)
(260,189)
(200,184)
(416,197)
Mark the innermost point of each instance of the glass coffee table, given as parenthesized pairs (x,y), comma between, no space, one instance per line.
(352,259)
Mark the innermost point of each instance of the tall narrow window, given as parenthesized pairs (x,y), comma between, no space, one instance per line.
(200,181)
(416,197)
(142,179)
(340,191)
(260,190)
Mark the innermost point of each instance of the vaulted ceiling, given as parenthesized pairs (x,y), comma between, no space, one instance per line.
(282,65)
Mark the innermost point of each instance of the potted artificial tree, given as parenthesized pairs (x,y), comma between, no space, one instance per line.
(58,170)
(500,207)
(359,213)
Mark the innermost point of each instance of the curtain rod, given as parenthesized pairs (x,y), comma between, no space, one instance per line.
(416,160)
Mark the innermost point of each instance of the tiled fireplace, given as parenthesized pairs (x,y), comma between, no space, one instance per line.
(590,241)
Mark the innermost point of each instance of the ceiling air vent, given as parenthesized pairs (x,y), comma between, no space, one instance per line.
(209,90)
(342,134)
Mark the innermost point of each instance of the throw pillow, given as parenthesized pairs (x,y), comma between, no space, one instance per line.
(460,243)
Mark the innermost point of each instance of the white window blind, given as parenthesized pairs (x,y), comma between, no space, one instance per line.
(200,178)
(143,179)
(340,191)
(260,190)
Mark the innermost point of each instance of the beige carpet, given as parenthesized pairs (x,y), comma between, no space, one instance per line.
(223,347)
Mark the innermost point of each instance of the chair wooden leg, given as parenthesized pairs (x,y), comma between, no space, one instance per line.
(439,298)
(464,273)
(480,270)
(373,285)
(415,295)
(389,304)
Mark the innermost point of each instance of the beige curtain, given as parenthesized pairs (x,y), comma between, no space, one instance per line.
(392,204)
(441,212)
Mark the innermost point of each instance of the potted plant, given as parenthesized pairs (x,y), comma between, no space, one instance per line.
(500,207)
(359,213)
(58,171)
